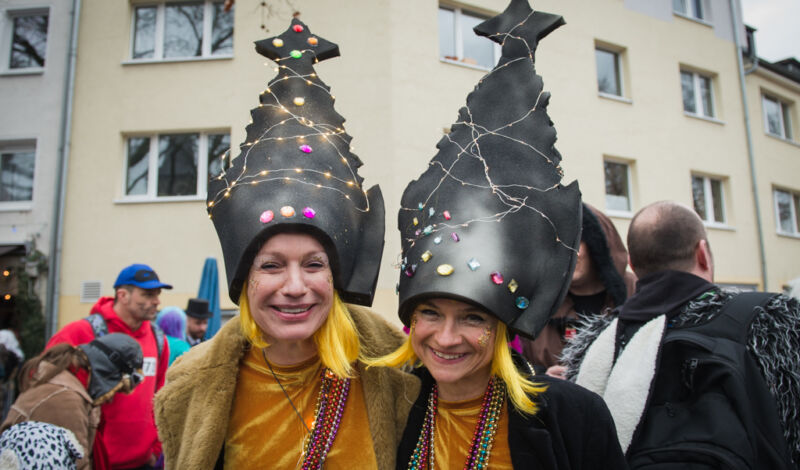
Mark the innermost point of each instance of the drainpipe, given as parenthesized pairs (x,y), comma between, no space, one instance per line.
(750,153)
(61,176)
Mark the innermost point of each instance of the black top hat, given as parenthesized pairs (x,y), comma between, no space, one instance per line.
(489,222)
(296,172)
(198,308)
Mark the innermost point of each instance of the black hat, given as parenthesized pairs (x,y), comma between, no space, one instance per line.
(296,172)
(198,308)
(112,357)
(489,222)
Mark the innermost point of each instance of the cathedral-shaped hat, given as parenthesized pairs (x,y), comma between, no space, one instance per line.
(489,222)
(296,172)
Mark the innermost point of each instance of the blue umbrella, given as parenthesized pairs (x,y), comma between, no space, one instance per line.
(209,290)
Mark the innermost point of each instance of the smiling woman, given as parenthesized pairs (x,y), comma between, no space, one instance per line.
(285,386)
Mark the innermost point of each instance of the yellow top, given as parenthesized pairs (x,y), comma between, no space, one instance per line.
(455,424)
(265,431)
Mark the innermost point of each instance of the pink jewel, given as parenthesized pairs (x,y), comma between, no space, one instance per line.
(306,149)
(266,217)
(446,215)
(287,211)
(497,278)
(454,236)
(309,213)
(297,28)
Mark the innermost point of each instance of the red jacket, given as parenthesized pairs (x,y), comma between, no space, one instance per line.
(129,431)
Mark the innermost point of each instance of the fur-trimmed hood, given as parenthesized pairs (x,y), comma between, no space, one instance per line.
(193,408)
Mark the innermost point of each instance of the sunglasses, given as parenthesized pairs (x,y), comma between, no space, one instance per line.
(144,275)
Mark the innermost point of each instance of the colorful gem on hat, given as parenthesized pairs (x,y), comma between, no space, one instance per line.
(437,240)
(287,211)
(426,256)
(431,211)
(312,41)
(299,101)
(417,232)
(416,222)
(444,270)
(428,230)
(455,237)
(420,206)
(309,213)
(296,54)
(410,270)
(277,42)
(297,28)
(473,264)
(266,217)
(306,148)
(446,215)
(513,286)
(522,303)
(496,277)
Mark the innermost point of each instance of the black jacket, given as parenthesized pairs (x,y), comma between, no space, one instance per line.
(573,429)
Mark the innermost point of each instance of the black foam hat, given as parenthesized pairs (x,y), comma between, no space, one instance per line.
(489,222)
(112,357)
(296,172)
(198,308)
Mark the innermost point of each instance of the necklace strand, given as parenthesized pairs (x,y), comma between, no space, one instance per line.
(482,438)
(299,416)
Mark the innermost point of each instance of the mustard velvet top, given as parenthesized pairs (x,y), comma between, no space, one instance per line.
(455,424)
(264,430)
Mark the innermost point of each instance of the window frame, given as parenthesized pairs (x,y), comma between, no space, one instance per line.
(629,187)
(710,219)
(619,70)
(151,194)
(160,33)
(458,39)
(692,9)
(696,90)
(7,40)
(21,146)
(794,197)
(784,115)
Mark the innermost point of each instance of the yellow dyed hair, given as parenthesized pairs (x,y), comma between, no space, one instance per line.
(519,388)
(337,339)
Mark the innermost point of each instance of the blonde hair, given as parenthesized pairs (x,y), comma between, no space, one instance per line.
(337,339)
(519,388)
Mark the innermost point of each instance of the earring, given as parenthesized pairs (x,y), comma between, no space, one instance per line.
(484,338)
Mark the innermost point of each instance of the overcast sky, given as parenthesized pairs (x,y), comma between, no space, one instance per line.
(778,27)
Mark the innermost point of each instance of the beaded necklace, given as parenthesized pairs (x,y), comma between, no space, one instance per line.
(482,438)
(327,416)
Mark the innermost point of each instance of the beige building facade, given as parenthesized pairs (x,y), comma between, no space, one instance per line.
(646,99)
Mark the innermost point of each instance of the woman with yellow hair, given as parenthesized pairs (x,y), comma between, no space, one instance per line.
(284,384)
(489,239)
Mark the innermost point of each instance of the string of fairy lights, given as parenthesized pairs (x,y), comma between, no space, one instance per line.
(472,149)
(320,135)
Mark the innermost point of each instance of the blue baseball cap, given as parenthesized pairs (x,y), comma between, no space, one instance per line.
(140,275)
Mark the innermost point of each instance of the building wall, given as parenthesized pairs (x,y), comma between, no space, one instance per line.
(397,97)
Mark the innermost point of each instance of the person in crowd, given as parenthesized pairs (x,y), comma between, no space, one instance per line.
(66,385)
(620,356)
(494,257)
(600,282)
(172,321)
(131,311)
(284,384)
(197,315)
(33,445)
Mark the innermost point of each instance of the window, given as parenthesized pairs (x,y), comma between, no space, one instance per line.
(776,118)
(608,72)
(618,192)
(457,41)
(169,165)
(17,164)
(698,97)
(182,30)
(28,40)
(708,199)
(690,8)
(787,204)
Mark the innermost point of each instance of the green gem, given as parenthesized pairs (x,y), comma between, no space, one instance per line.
(296,54)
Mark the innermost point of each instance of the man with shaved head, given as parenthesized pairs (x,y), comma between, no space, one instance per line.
(692,372)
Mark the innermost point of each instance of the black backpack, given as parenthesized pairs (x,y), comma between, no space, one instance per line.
(710,407)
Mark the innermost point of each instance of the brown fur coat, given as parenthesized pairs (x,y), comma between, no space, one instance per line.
(193,408)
